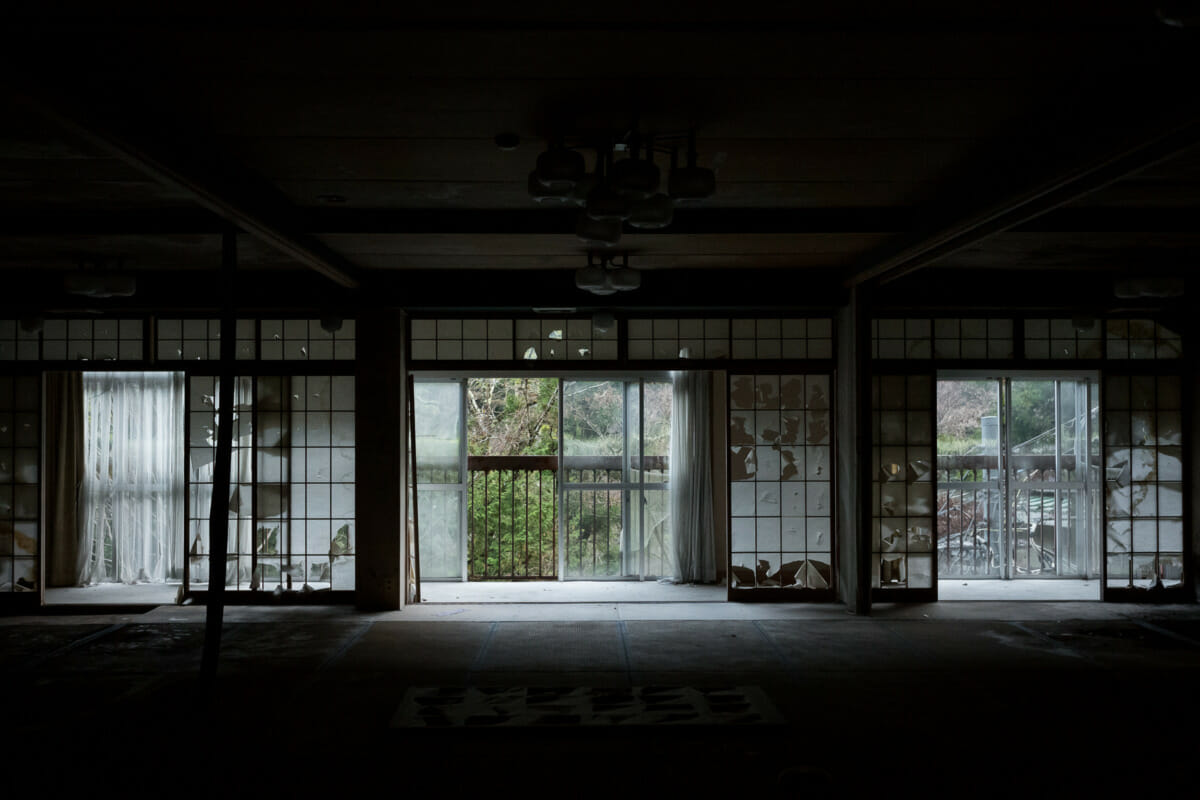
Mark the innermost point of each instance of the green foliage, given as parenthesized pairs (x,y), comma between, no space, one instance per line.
(512,514)
(1032,415)
(512,527)
(512,416)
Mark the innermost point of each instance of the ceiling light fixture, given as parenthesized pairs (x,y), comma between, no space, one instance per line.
(620,190)
(607,273)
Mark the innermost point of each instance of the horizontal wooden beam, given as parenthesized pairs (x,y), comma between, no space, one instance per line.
(216,183)
(542,222)
(1021,207)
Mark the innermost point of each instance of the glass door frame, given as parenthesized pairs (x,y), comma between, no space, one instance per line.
(1088,489)
(628,487)
(463,477)
(628,378)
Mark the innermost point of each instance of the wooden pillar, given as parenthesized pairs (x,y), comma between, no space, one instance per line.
(853,421)
(218,526)
(380,496)
(1190,402)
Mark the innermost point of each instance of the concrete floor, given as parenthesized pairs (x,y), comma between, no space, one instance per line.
(925,698)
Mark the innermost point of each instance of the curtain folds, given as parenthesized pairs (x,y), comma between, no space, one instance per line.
(691,477)
(131,499)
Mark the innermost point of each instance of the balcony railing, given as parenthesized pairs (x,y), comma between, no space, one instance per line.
(513,510)
(512,521)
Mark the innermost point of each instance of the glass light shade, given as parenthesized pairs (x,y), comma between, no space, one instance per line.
(656,211)
(559,164)
(590,278)
(583,187)
(605,205)
(555,192)
(597,231)
(595,280)
(625,279)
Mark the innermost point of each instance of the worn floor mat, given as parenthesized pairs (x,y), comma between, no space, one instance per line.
(523,706)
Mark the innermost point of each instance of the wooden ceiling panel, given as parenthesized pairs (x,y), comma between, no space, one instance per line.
(766,107)
(354,245)
(133,253)
(623,51)
(956,109)
(567,260)
(1117,251)
(445,194)
(774,160)
(21,195)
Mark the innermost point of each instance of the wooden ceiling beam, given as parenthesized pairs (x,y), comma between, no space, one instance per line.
(218,184)
(550,222)
(1021,207)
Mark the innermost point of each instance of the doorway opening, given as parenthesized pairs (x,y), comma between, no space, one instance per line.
(1018,487)
(540,479)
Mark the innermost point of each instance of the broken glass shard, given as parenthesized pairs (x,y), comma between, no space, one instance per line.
(766,391)
(742,464)
(741,392)
(1144,500)
(1117,500)
(791,422)
(791,463)
(817,431)
(740,428)
(766,426)
(791,391)
(1120,536)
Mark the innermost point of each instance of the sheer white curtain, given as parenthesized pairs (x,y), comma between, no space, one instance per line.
(691,477)
(131,499)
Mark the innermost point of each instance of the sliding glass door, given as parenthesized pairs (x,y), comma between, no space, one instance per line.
(615,447)
(439,414)
(597,509)
(1018,478)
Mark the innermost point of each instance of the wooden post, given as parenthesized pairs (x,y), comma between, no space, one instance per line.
(218,523)
(380,488)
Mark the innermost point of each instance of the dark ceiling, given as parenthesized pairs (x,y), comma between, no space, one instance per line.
(920,149)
